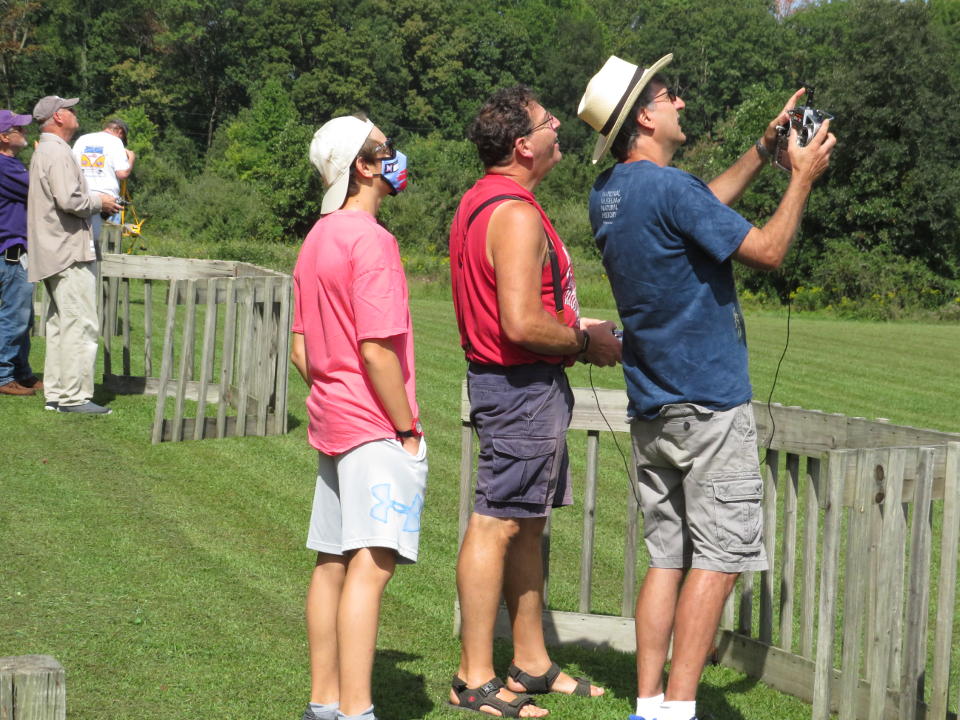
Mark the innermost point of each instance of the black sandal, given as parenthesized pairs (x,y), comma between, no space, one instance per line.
(542,684)
(486,696)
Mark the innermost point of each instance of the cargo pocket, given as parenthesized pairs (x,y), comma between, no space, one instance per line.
(738,511)
(521,469)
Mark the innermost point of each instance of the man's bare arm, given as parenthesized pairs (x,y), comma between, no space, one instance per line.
(382,364)
(730,184)
(298,356)
(131,159)
(765,248)
(517,247)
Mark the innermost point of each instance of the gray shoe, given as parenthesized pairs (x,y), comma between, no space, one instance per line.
(309,714)
(87,408)
(51,405)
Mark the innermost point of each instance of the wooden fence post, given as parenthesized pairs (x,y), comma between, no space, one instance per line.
(831,491)
(918,597)
(32,687)
(947,592)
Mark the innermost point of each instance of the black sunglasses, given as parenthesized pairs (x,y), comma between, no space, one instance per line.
(386,146)
(671,93)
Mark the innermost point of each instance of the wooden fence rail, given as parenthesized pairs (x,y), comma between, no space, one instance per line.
(209,338)
(862,530)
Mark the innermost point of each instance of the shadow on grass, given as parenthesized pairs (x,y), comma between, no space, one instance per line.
(398,693)
(616,672)
(102,395)
(712,703)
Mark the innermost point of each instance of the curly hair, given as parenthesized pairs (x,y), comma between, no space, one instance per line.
(629,131)
(502,119)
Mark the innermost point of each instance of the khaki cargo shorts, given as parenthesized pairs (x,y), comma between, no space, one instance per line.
(700,488)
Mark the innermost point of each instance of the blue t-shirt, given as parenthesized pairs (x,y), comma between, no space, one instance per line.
(666,242)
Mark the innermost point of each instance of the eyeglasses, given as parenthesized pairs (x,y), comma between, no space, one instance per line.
(14,130)
(671,93)
(546,123)
(387,147)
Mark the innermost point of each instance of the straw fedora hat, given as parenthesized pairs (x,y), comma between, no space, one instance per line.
(609,96)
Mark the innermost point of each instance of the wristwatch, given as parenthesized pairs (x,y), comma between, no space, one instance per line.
(416,430)
(762,151)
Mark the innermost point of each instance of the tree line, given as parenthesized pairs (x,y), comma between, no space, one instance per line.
(223,96)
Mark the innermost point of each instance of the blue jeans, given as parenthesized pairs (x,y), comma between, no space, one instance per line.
(16,319)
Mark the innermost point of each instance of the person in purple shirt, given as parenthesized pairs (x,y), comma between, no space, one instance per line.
(16,292)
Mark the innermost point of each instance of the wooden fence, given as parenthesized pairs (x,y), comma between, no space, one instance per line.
(862,528)
(209,338)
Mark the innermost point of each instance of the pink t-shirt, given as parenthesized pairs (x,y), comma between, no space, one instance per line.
(349,286)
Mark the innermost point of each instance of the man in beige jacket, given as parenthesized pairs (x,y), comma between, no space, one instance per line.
(64,257)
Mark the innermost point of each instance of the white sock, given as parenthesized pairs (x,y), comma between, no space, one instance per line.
(649,708)
(365,715)
(678,710)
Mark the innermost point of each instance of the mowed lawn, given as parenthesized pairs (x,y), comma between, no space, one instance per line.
(169,580)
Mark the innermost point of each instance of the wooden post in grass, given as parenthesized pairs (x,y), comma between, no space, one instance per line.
(32,687)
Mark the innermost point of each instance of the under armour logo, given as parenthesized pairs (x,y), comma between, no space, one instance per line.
(381,511)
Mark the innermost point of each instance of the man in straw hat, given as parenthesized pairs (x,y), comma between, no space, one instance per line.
(516,303)
(353,345)
(668,241)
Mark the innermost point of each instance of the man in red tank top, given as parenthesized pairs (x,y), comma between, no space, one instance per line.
(515,298)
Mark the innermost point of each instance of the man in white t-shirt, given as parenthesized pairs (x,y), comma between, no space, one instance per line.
(104,161)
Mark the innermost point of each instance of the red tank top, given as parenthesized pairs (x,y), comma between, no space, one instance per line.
(474,284)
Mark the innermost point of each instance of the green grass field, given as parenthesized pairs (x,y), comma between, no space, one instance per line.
(169,580)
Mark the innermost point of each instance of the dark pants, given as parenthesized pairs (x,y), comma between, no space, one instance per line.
(521,415)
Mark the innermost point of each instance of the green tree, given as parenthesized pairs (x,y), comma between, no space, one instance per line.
(719,49)
(266,146)
(887,73)
(16,40)
(200,45)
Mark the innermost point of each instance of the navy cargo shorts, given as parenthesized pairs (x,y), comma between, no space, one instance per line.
(521,415)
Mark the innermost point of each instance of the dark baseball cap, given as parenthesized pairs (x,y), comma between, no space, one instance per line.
(9,119)
(46,107)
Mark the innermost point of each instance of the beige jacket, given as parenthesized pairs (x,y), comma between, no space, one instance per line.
(59,207)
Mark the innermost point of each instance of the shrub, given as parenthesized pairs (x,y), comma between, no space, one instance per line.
(216,210)
(807,298)
(440,171)
(881,283)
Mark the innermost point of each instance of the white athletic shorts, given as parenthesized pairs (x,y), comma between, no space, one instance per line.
(370,496)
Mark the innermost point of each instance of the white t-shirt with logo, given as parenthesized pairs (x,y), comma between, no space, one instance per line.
(100,156)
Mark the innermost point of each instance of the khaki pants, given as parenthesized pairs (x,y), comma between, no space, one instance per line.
(71,330)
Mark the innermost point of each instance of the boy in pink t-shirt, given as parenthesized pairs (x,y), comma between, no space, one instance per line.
(353,345)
